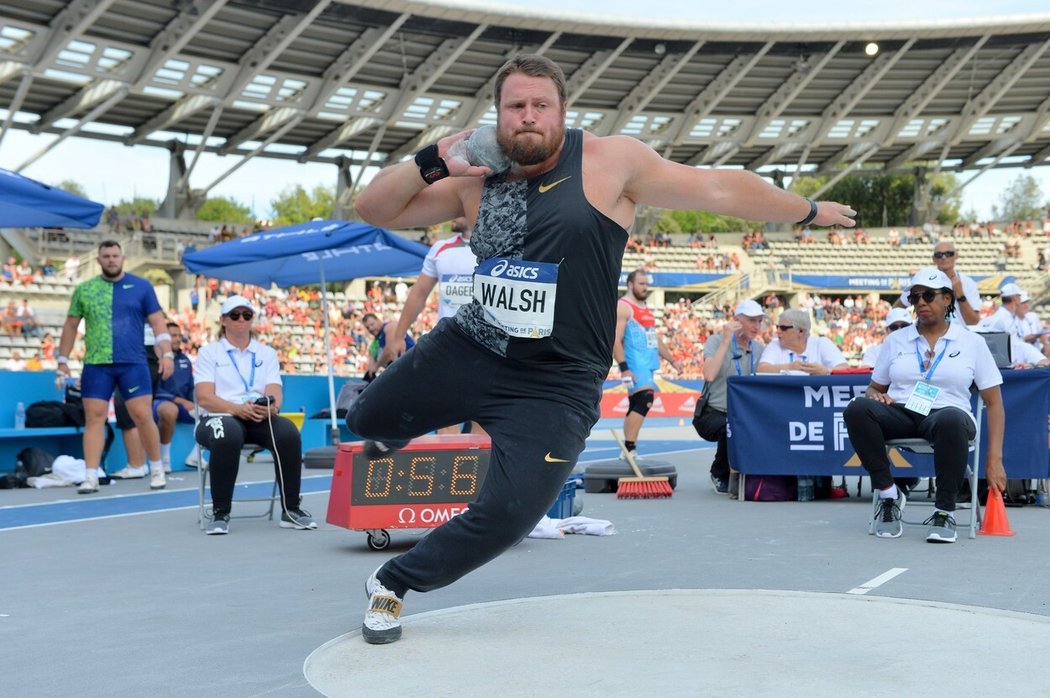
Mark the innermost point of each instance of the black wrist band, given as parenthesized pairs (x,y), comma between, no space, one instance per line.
(431,167)
(812,213)
(961,299)
(623,367)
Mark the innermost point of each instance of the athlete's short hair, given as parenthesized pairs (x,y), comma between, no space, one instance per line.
(634,275)
(109,243)
(534,66)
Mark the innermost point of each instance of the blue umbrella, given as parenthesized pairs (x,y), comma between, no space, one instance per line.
(26,202)
(311,253)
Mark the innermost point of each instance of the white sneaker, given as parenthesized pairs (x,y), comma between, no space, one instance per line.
(167,466)
(191,459)
(131,472)
(381,624)
(157,481)
(90,483)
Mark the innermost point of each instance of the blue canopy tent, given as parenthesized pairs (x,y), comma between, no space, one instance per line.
(311,253)
(27,203)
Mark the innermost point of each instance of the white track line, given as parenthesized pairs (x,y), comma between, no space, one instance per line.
(878,581)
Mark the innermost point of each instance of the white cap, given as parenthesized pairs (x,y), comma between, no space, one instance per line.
(234,302)
(1025,297)
(748,308)
(930,277)
(1008,290)
(898,315)
(993,323)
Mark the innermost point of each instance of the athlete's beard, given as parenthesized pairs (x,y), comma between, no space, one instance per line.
(640,298)
(114,275)
(527,151)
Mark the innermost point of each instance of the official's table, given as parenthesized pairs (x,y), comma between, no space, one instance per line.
(792,425)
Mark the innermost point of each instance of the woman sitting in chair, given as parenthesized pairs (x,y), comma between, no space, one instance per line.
(238,382)
(920,388)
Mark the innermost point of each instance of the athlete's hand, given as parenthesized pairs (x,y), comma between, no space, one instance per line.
(167,367)
(63,369)
(833,213)
(391,351)
(458,167)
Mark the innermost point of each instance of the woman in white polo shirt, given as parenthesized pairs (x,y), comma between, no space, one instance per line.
(920,387)
(232,375)
(795,350)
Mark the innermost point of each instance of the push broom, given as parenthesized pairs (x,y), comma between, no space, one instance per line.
(639,486)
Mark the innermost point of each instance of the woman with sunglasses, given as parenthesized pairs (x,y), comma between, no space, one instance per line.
(920,387)
(238,382)
(795,350)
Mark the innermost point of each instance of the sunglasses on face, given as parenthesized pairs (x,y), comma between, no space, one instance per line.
(940,255)
(786,328)
(897,326)
(238,314)
(928,295)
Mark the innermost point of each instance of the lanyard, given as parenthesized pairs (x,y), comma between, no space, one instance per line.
(750,353)
(936,361)
(792,355)
(251,379)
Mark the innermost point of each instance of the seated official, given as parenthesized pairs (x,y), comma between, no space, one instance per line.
(233,373)
(733,351)
(795,350)
(921,388)
(173,396)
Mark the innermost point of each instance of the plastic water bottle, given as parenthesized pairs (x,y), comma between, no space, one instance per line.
(805,488)
(20,416)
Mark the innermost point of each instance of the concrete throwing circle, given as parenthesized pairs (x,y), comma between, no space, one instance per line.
(695,642)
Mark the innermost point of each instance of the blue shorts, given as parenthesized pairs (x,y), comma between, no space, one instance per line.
(99,380)
(183,417)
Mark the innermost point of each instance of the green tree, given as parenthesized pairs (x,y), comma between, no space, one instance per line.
(137,206)
(224,210)
(296,205)
(72,187)
(887,199)
(1022,199)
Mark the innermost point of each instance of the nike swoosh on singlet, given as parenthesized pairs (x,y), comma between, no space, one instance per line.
(128,286)
(549,458)
(544,188)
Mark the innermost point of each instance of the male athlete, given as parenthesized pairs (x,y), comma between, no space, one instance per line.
(527,357)
(114,306)
(637,349)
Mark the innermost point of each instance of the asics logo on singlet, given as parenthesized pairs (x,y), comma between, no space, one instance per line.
(504,268)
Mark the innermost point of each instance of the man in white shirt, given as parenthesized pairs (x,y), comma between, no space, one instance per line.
(1005,316)
(796,351)
(967,297)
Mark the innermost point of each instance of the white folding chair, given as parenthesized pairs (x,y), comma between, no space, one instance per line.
(917,445)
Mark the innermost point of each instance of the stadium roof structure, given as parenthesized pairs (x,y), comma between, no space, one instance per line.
(371,81)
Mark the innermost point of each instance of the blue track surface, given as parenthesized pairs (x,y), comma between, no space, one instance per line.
(79,508)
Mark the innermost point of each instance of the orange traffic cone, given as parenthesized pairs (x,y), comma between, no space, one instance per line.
(995,522)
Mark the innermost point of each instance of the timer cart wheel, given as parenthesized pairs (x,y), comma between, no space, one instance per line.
(378,539)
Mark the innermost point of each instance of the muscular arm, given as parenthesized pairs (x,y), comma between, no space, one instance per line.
(398,197)
(655,181)
(69,335)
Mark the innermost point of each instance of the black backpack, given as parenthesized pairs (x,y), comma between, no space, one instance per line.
(51,413)
(36,461)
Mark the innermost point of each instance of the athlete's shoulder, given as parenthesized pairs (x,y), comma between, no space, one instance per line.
(447,244)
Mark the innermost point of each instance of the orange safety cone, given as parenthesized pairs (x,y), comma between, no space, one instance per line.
(995,522)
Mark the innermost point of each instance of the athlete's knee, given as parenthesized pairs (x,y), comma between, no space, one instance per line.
(640,402)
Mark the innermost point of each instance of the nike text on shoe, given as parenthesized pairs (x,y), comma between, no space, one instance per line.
(381,625)
(942,528)
(888,514)
(298,518)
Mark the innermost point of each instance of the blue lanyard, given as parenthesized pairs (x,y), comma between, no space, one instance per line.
(750,356)
(251,379)
(918,357)
(792,355)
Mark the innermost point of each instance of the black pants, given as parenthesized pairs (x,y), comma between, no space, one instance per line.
(710,424)
(871,423)
(225,436)
(534,414)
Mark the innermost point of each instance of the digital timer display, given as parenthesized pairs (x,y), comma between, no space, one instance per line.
(418,477)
